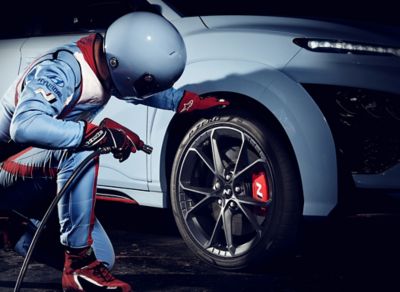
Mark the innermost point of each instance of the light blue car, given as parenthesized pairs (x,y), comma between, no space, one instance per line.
(315,108)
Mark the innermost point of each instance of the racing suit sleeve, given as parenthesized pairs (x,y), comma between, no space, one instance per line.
(168,99)
(47,89)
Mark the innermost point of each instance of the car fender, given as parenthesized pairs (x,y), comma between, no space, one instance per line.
(301,119)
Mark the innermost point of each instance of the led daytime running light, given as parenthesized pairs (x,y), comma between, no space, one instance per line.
(346,47)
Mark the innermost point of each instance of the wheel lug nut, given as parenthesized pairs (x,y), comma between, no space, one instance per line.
(217,186)
(232,204)
(237,189)
(228,177)
(219,202)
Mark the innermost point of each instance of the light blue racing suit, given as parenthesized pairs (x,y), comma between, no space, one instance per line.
(45,110)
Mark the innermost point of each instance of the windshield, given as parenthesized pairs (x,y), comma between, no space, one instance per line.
(380,12)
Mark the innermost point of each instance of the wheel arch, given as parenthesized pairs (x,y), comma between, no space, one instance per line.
(180,124)
(284,102)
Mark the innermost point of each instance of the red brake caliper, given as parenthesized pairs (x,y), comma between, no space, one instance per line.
(260,190)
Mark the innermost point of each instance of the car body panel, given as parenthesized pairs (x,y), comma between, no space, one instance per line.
(388,179)
(166,10)
(34,47)
(305,27)
(10,59)
(377,73)
(132,173)
(239,44)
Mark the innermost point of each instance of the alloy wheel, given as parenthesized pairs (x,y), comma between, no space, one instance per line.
(225,191)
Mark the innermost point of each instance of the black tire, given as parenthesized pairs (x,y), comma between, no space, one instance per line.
(262,223)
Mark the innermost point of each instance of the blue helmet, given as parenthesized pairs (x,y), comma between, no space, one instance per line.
(145,54)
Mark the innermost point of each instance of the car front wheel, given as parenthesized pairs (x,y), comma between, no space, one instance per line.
(235,191)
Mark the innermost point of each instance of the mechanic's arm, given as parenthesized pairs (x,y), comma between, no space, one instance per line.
(46,90)
(167,99)
(182,101)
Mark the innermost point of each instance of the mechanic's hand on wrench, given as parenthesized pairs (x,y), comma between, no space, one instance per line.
(113,137)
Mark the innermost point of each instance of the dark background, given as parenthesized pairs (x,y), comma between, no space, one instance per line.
(35,18)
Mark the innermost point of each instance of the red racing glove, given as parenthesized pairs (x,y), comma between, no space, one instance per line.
(191,102)
(109,134)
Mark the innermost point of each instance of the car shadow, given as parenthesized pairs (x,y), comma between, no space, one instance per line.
(351,253)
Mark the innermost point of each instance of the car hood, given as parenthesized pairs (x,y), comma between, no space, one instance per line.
(300,27)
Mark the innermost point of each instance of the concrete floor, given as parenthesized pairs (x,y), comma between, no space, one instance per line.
(358,253)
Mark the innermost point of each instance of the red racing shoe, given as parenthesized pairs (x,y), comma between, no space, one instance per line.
(82,272)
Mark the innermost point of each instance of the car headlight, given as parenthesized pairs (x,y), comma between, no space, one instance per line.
(345,47)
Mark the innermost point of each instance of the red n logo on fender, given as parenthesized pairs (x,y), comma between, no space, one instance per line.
(260,186)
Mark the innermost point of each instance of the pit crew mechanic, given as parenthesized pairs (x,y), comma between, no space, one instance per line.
(46,129)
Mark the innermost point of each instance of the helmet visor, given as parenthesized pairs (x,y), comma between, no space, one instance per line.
(145,86)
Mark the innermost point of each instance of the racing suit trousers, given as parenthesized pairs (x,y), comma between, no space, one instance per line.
(30,179)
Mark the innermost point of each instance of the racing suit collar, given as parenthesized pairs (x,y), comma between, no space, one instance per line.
(86,45)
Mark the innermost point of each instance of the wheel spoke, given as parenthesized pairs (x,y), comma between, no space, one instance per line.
(217,226)
(227,223)
(240,153)
(199,204)
(219,166)
(197,190)
(203,158)
(249,167)
(252,219)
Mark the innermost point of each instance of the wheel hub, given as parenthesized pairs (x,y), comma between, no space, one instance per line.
(227,192)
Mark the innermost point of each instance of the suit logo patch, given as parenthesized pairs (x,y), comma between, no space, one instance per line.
(187,106)
(57,80)
(50,86)
(47,96)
